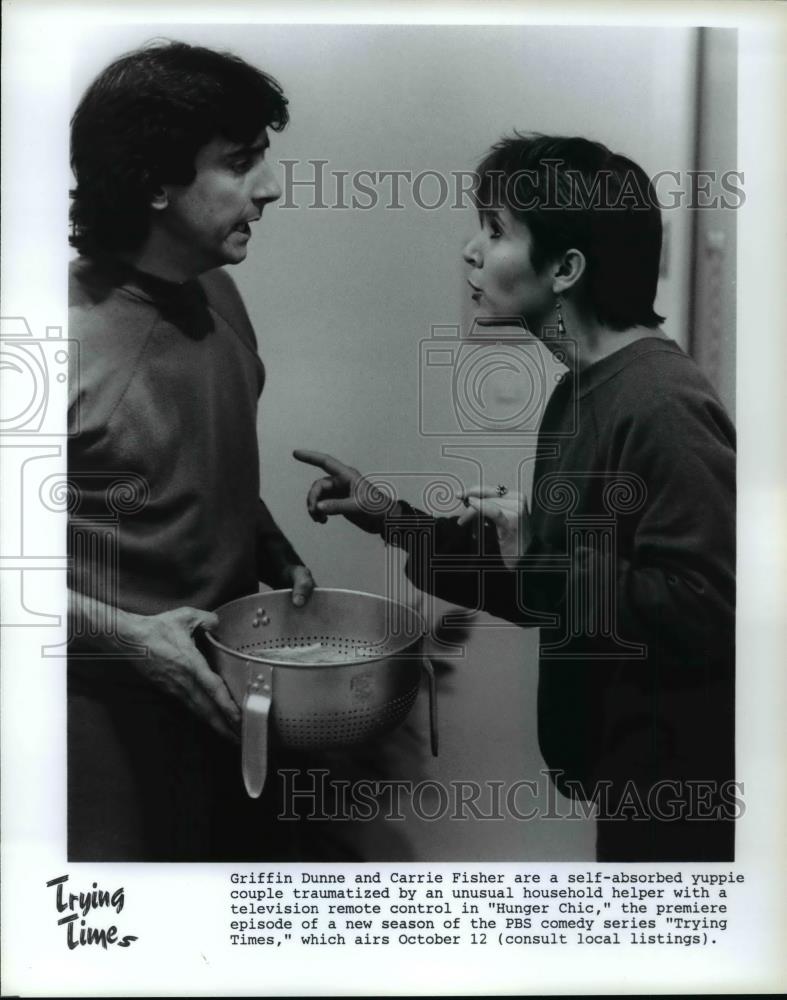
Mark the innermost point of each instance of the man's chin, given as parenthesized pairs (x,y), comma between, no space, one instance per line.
(233,255)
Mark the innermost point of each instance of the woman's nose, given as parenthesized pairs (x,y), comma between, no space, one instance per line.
(472,253)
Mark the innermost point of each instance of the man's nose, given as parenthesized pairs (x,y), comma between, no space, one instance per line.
(266,185)
(472,252)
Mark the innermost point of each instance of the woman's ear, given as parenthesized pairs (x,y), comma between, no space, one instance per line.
(568,270)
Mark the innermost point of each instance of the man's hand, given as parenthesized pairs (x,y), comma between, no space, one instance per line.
(176,666)
(302,582)
(509,515)
(344,491)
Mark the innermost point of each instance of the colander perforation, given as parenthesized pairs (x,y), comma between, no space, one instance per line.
(368,648)
(312,728)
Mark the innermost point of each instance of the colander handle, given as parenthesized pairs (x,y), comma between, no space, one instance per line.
(254,735)
(432,681)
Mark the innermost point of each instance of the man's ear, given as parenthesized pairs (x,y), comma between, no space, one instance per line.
(568,270)
(160,200)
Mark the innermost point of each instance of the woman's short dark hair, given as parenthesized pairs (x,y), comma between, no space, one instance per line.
(140,125)
(574,193)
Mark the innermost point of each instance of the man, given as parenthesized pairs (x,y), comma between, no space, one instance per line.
(169,153)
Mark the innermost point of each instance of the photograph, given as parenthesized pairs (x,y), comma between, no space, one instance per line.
(569,435)
(374,507)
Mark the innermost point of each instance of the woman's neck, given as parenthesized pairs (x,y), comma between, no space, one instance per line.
(599,342)
(588,341)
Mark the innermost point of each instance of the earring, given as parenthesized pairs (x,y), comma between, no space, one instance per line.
(561,326)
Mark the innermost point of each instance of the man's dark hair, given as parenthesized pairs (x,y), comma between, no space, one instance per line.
(140,125)
(574,193)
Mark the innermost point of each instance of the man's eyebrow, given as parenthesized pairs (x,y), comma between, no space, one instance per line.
(245,148)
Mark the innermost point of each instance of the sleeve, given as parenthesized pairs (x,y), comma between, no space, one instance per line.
(674,580)
(678,586)
(274,552)
(460,564)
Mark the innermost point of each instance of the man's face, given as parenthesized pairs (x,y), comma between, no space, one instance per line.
(503,283)
(207,223)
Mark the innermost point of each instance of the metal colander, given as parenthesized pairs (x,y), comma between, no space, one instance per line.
(358,677)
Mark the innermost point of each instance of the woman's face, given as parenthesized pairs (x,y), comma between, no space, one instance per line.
(503,282)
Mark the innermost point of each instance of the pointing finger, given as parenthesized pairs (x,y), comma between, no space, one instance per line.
(325,462)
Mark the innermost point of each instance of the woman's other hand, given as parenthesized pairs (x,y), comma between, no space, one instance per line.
(508,513)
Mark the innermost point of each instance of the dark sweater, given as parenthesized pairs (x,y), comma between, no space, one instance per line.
(631,575)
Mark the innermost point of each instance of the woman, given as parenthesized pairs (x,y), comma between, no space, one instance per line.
(629,547)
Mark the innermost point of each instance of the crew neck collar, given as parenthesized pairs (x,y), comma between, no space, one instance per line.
(124,275)
(185,305)
(601,371)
